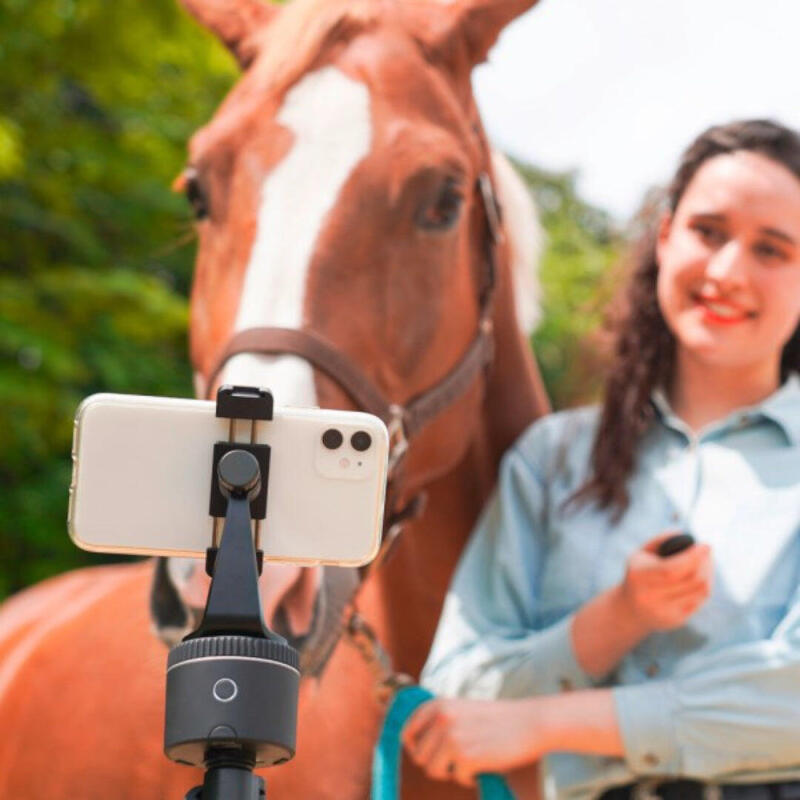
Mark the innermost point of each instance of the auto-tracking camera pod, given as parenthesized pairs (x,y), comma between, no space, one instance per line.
(232,684)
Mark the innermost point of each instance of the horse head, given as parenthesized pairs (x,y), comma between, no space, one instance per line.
(343,189)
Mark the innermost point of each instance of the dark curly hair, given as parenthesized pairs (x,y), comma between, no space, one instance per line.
(644,347)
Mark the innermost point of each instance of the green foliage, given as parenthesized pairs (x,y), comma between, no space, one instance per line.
(582,244)
(98,100)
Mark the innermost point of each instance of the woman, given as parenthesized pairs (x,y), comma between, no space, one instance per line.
(620,668)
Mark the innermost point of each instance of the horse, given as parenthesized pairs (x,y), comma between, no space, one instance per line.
(346,197)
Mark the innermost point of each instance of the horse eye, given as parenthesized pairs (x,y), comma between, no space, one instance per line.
(195,193)
(443,213)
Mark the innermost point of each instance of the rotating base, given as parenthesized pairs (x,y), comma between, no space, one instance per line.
(232,693)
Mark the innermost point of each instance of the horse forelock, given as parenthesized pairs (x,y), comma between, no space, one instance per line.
(526,240)
(303,35)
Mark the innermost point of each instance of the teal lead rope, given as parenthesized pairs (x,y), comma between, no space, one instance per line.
(386,760)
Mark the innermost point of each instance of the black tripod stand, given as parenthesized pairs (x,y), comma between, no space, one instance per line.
(232,684)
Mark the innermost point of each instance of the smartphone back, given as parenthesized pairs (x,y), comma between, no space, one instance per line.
(142,479)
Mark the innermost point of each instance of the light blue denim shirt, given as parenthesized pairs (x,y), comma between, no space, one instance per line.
(716,699)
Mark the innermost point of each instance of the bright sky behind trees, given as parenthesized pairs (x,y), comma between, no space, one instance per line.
(617,88)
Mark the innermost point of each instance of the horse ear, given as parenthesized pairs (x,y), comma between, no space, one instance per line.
(235,22)
(475,25)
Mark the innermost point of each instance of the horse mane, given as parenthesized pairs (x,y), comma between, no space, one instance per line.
(304,32)
(526,240)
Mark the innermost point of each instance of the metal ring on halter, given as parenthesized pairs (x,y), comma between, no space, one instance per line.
(398,441)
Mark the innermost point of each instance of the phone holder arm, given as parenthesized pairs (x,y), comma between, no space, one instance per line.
(234,604)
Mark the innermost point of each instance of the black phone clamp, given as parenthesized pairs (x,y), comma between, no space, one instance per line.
(232,684)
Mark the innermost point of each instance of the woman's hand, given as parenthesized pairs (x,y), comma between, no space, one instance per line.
(657,594)
(457,739)
(662,593)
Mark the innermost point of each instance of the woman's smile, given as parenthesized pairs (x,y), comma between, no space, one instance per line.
(720,311)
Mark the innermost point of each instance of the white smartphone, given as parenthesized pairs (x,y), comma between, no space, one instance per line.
(141,479)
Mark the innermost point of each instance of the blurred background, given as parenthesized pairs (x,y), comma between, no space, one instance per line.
(593,101)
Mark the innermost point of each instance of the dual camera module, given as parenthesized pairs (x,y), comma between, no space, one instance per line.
(346,453)
(333,439)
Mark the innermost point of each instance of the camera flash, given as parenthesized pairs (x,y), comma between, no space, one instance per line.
(344,462)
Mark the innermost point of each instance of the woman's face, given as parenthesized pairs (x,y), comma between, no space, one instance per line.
(729,262)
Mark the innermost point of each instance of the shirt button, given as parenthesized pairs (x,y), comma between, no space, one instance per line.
(675,517)
(565,684)
(652,670)
(650,759)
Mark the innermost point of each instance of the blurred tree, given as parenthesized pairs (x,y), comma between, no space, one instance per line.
(96,104)
(577,283)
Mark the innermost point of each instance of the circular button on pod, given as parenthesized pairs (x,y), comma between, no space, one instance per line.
(225,690)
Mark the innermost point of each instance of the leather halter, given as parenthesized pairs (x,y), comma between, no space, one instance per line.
(403,421)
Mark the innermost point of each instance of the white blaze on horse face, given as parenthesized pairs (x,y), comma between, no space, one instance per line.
(329,115)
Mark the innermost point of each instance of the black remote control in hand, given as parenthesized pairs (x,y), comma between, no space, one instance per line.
(675,544)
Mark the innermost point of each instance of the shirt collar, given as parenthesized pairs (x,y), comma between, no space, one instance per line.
(664,410)
(782,407)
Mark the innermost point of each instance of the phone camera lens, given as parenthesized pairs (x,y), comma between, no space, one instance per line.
(361,441)
(332,439)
